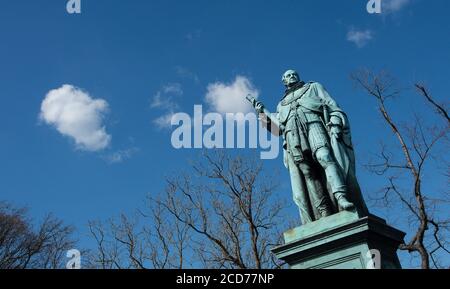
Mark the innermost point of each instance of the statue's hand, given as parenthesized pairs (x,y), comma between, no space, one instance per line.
(336,131)
(259,107)
(335,127)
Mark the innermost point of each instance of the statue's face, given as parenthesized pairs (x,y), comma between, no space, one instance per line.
(290,78)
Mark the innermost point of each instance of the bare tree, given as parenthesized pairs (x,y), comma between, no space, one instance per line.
(416,144)
(105,255)
(170,238)
(147,239)
(221,214)
(230,206)
(24,246)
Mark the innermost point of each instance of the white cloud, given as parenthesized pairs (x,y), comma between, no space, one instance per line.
(359,37)
(172,88)
(193,35)
(164,121)
(186,73)
(164,100)
(230,97)
(74,113)
(121,155)
(393,5)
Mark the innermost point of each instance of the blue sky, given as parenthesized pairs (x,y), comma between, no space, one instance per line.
(125,52)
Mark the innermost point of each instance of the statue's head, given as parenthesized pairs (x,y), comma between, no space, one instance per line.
(290,78)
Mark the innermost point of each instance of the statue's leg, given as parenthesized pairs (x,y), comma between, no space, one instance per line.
(315,188)
(320,146)
(334,176)
(299,191)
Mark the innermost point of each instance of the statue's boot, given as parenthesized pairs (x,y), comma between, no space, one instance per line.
(317,195)
(323,208)
(324,212)
(343,202)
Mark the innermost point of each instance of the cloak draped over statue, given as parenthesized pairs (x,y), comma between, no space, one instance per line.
(343,149)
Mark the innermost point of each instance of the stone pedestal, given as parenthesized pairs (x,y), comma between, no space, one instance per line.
(342,241)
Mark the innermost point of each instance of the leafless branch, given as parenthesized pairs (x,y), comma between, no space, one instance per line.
(416,144)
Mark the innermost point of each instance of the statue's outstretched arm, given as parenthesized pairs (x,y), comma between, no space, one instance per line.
(269,120)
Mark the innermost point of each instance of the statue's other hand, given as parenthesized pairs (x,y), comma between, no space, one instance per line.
(259,106)
(336,131)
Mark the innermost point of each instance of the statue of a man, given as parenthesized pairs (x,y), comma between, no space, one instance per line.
(317,149)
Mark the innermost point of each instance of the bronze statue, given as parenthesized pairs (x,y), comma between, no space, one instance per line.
(318,151)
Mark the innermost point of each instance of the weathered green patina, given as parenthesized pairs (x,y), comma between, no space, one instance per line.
(318,150)
(342,241)
(337,230)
